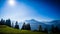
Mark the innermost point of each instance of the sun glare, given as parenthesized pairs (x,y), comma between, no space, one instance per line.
(11,2)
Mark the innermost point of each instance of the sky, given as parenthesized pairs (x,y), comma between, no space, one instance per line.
(20,10)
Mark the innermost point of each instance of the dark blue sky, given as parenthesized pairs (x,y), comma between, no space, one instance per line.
(42,10)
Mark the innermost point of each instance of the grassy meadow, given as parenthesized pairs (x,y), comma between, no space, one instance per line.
(8,30)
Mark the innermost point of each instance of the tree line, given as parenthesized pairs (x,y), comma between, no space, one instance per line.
(27,26)
(8,23)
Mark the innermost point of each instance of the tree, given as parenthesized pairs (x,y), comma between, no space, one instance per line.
(23,26)
(40,28)
(16,25)
(28,27)
(2,22)
(8,22)
(56,29)
(53,28)
(45,30)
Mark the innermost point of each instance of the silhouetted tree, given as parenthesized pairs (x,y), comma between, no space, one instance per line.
(45,30)
(56,29)
(2,22)
(8,22)
(28,26)
(53,28)
(16,25)
(40,28)
(23,26)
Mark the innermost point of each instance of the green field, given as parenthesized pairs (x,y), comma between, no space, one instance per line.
(8,30)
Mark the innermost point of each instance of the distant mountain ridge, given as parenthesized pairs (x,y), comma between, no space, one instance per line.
(35,24)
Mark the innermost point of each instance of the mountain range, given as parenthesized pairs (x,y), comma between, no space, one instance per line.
(35,24)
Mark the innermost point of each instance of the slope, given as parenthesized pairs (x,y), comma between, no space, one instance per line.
(8,30)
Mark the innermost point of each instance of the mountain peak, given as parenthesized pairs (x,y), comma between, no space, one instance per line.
(32,20)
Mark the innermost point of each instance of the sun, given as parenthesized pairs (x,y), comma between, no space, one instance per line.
(11,2)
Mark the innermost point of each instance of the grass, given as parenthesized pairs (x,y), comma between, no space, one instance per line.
(8,30)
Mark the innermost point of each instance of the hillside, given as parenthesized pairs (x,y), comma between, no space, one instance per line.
(8,30)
